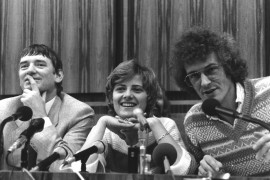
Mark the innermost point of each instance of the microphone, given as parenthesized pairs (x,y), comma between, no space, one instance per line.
(36,125)
(142,133)
(139,114)
(59,153)
(98,147)
(164,154)
(212,107)
(23,113)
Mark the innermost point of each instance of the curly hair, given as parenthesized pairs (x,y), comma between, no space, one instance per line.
(41,49)
(126,71)
(197,44)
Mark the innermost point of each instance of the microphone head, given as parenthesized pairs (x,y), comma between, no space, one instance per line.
(24,113)
(140,116)
(36,125)
(162,150)
(209,105)
(137,112)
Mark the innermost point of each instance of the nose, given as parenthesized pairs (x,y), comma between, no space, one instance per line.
(31,69)
(127,94)
(204,80)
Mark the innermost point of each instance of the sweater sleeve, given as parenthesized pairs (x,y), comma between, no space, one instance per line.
(190,124)
(186,163)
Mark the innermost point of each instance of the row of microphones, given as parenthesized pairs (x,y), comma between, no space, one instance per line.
(212,107)
(163,155)
(59,154)
(36,125)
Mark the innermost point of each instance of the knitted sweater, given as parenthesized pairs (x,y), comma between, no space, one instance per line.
(232,145)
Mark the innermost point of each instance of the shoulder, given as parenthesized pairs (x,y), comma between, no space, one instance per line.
(257,96)
(194,110)
(10,100)
(257,90)
(259,84)
(10,103)
(194,113)
(72,107)
(70,101)
(9,106)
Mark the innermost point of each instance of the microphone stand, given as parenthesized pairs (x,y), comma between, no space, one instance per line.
(1,133)
(24,155)
(83,164)
(142,146)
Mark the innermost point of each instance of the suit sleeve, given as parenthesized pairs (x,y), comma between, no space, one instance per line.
(70,133)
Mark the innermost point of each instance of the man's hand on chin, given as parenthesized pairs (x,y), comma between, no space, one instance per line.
(33,99)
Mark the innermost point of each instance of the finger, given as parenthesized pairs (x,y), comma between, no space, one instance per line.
(263,152)
(206,166)
(125,123)
(201,172)
(264,138)
(259,134)
(133,120)
(267,156)
(33,83)
(212,163)
(265,148)
(24,94)
(26,91)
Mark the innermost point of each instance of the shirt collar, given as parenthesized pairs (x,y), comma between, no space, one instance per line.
(49,104)
(240,94)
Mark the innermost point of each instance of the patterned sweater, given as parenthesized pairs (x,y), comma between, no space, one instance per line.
(232,145)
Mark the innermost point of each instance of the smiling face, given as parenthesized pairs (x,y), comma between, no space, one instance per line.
(219,86)
(129,95)
(42,71)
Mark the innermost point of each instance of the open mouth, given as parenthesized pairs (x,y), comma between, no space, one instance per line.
(36,79)
(128,104)
(207,92)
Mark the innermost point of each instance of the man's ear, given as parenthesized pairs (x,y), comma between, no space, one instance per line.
(59,76)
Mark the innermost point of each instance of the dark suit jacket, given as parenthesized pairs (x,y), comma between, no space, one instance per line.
(72,121)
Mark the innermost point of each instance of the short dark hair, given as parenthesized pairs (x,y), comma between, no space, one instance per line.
(197,44)
(41,49)
(127,70)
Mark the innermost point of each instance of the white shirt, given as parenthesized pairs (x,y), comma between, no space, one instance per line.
(48,107)
(240,95)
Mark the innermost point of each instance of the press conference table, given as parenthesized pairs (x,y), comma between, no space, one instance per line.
(19,175)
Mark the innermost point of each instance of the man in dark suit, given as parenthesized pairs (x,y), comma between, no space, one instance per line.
(67,120)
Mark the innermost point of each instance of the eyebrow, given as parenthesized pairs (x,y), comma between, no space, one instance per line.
(36,60)
(134,85)
(209,65)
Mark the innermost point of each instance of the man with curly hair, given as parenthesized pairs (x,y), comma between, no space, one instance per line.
(210,65)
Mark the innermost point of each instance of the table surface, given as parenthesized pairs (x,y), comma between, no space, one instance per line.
(19,175)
